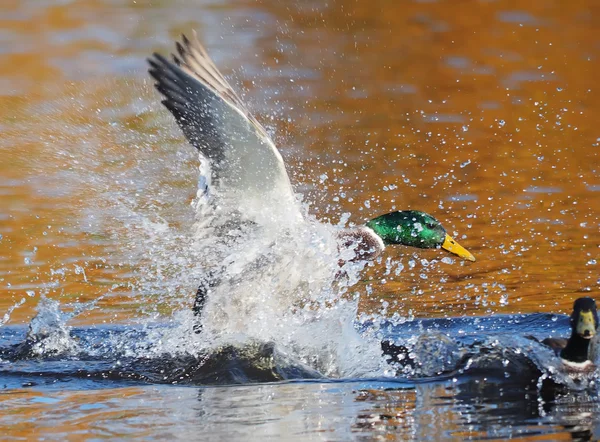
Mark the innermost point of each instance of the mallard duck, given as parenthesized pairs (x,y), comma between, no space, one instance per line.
(245,164)
(576,352)
(248,173)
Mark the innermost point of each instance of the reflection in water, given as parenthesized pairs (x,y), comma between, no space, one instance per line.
(344,411)
(452,411)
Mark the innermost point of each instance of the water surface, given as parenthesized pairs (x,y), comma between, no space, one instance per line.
(481,113)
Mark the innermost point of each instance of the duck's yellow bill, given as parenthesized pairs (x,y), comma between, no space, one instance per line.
(455,248)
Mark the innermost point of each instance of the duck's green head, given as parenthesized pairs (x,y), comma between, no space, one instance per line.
(416,229)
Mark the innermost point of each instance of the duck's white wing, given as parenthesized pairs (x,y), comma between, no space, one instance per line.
(243,159)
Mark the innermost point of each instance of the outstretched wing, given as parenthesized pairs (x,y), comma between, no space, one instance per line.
(242,156)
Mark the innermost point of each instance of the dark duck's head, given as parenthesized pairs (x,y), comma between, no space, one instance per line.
(584,319)
(584,325)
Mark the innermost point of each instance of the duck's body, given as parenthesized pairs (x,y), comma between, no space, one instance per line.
(247,172)
(577,353)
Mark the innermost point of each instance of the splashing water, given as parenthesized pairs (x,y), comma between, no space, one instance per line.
(274,277)
(274,269)
(48,333)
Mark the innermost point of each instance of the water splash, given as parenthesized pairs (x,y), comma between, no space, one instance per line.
(279,280)
(48,333)
(273,278)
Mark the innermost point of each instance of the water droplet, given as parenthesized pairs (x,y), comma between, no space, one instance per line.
(27,261)
(30,293)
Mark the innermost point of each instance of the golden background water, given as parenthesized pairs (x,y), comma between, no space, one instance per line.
(484,114)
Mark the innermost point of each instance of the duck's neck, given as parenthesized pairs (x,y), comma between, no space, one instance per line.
(364,241)
(576,349)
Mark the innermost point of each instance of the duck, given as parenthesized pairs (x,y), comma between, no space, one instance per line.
(578,351)
(245,161)
(248,172)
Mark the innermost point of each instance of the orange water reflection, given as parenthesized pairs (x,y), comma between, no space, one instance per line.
(482,113)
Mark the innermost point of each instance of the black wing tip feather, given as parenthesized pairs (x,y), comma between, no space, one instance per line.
(165,71)
(168,83)
(183,96)
(166,74)
(157,57)
(171,80)
(158,65)
(180,49)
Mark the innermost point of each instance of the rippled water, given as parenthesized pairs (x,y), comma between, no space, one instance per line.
(481,113)
(472,377)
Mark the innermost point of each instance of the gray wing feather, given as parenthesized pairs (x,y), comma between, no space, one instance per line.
(215,121)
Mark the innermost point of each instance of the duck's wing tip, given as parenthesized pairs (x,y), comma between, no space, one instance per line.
(183,95)
(215,120)
(192,60)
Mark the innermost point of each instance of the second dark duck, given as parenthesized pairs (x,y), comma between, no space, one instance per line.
(576,351)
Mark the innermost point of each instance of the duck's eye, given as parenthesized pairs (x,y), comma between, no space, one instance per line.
(430,225)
